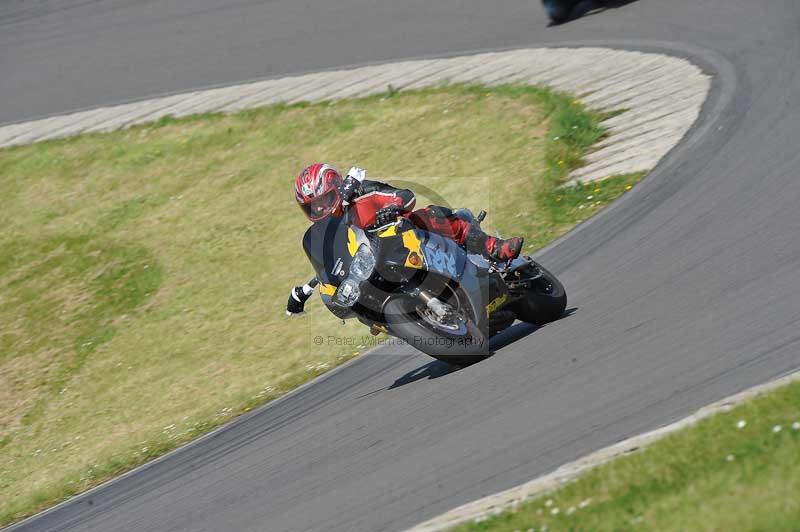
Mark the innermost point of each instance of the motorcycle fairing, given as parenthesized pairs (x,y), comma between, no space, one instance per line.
(326,245)
(444,256)
(330,245)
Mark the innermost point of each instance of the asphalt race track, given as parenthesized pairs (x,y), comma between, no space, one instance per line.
(686,291)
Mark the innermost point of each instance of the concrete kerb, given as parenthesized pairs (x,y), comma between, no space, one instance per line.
(607,79)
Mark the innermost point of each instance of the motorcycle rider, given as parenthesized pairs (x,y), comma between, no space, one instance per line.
(321,192)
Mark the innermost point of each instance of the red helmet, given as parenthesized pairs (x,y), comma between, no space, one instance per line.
(317,191)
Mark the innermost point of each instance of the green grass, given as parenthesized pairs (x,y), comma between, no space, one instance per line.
(713,476)
(144,273)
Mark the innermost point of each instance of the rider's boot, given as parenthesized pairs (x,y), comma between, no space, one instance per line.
(498,249)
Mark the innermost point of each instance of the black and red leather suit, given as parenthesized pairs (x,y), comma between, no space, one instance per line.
(436,219)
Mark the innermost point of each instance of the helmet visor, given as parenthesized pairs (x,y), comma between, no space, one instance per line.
(321,206)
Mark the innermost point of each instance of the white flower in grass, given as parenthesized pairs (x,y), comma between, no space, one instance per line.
(570,510)
(796,425)
(555,511)
(741,424)
(776,429)
(548,503)
(730,458)
(584,503)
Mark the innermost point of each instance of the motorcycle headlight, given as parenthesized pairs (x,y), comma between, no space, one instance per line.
(363,263)
(347,294)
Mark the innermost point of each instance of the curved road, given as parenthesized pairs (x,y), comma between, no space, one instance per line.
(687,290)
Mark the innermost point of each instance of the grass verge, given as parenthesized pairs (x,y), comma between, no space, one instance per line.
(739,470)
(144,273)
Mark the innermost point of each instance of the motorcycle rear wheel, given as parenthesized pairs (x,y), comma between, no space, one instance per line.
(544,302)
(460,346)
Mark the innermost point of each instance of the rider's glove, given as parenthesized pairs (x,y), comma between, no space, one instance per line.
(350,189)
(297,300)
(359,174)
(387,215)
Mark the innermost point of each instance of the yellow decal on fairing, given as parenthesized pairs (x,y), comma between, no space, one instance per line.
(392,231)
(496,303)
(327,289)
(412,243)
(352,242)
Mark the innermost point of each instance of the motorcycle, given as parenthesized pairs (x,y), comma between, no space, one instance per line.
(424,288)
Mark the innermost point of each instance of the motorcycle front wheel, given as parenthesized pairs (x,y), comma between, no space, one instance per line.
(459,343)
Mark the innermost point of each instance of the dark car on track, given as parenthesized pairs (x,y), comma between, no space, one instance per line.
(559,10)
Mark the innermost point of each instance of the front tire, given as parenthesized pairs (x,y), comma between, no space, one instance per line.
(544,302)
(460,346)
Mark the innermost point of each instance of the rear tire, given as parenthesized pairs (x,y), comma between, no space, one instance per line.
(459,348)
(544,302)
